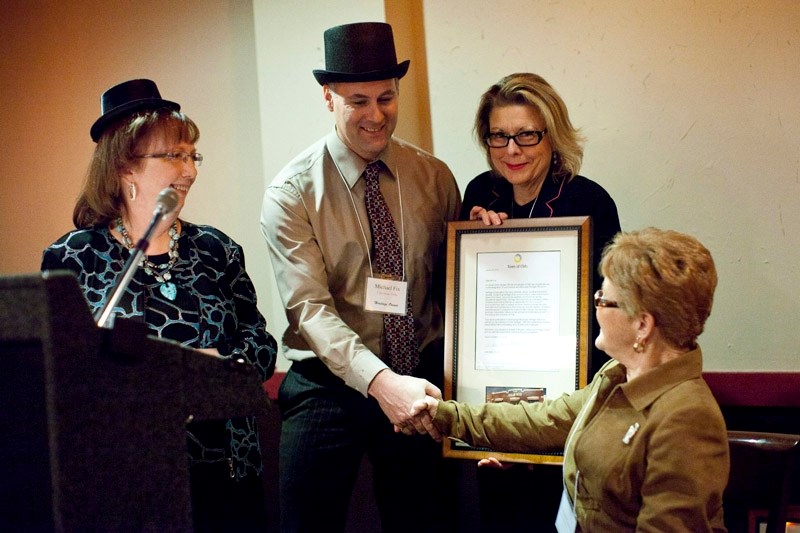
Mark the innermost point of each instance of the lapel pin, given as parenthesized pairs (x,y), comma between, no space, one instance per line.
(631,432)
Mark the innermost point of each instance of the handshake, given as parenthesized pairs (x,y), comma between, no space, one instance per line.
(395,393)
(420,418)
(410,403)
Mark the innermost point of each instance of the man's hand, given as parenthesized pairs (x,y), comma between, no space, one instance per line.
(396,394)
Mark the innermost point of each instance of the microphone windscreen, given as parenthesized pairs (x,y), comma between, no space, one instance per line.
(168,199)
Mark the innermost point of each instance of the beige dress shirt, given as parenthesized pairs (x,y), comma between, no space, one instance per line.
(316,227)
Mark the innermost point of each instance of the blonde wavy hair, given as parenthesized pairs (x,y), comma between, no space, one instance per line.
(524,88)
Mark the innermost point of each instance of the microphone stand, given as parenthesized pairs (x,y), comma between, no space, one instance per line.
(130,269)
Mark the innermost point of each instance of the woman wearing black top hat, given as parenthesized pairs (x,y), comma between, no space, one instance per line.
(191,286)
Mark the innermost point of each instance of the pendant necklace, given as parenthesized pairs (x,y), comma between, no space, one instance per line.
(161,272)
(531,211)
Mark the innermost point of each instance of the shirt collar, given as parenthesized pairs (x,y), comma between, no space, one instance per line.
(350,164)
(648,387)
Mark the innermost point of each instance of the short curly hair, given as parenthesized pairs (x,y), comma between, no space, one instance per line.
(668,274)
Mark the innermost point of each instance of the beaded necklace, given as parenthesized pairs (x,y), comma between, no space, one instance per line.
(161,272)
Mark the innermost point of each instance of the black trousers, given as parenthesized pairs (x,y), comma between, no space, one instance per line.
(222,501)
(521,498)
(327,428)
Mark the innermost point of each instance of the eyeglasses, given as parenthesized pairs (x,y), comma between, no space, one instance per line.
(174,157)
(523,138)
(599,301)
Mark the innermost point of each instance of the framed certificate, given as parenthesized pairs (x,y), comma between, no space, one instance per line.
(516,318)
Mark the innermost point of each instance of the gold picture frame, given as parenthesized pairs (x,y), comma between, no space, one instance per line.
(521,287)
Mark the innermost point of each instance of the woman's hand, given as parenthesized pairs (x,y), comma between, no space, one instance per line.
(493,462)
(422,413)
(489,218)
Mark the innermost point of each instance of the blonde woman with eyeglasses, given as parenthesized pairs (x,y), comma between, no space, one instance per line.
(534,155)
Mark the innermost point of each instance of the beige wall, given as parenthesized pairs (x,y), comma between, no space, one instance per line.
(693,124)
(689,109)
(59,56)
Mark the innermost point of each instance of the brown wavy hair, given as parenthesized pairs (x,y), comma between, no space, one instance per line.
(100,200)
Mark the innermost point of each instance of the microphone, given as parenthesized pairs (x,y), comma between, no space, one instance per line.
(166,202)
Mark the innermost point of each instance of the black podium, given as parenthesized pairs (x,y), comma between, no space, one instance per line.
(93,421)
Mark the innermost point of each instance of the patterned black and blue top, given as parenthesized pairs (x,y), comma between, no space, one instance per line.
(211,304)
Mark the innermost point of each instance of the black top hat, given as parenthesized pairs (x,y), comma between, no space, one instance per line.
(126,98)
(363,51)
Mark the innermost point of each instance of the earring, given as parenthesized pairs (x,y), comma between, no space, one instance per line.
(555,158)
(639,345)
(132,191)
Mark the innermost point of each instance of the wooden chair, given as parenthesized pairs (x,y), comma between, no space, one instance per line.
(761,477)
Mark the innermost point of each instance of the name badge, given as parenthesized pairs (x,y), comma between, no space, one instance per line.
(386,296)
(566,521)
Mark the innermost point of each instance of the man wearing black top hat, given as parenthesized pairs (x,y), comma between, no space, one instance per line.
(356,226)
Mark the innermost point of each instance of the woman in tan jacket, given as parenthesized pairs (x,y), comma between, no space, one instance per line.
(645,445)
